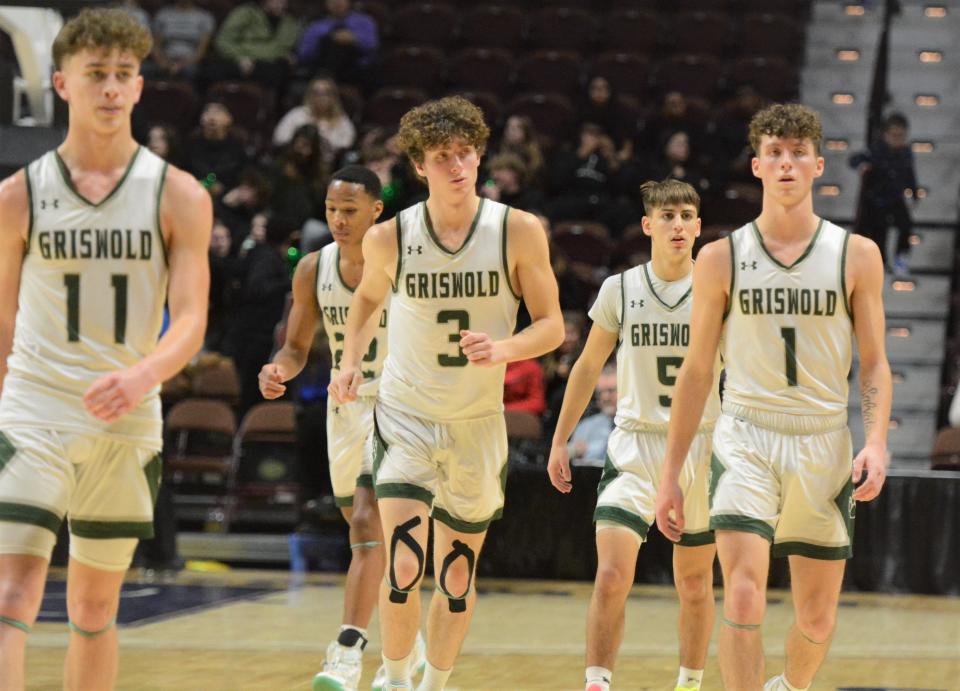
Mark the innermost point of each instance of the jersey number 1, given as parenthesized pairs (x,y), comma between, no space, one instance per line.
(789,335)
(119,283)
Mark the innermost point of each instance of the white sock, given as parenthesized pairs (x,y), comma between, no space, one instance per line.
(434,679)
(787,686)
(398,671)
(690,678)
(599,675)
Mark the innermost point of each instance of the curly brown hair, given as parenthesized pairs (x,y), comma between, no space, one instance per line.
(786,120)
(437,123)
(669,191)
(102,29)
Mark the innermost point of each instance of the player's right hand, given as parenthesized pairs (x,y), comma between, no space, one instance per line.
(271,381)
(558,468)
(345,385)
(670,510)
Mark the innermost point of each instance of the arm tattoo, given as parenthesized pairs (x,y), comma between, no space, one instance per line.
(868,405)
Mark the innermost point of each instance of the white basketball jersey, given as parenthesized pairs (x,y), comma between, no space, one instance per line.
(438,293)
(333,297)
(92,291)
(788,335)
(654,331)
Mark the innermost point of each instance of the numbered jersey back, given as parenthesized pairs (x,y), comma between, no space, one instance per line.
(787,339)
(333,298)
(92,291)
(440,292)
(654,337)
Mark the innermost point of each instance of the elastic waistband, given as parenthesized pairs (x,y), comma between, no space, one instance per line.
(787,423)
(659,427)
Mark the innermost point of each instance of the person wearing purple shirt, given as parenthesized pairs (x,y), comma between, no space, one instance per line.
(343,43)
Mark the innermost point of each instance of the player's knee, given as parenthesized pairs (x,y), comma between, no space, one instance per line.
(365,525)
(407,571)
(457,580)
(91,612)
(695,588)
(744,601)
(612,581)
(19,600)
(816,625)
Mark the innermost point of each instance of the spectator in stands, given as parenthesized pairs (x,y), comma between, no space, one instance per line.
(345,43)
(256,41)
(240,205)
(523,387)
(520,138)
(677,162)
(215,155)
(729,142)
(585,182)
(588,443)
(887,177)
(602,108)
(165,143)
(223,274)
(507,183)
(132,7)
(322,109)
(300,174)
(264,284)
(557,364)
(181,36)
(675,113)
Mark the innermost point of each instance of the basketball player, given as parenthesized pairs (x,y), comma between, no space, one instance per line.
(645,314)
(322,286)
(94,238)
(458,265)
(787,292)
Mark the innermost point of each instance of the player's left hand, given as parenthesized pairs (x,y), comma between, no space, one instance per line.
(115,394)
(480,349)
(873,459)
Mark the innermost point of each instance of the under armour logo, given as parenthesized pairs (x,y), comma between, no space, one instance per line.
(410,249)
(744,265)
(325,287)
(54,203)
(636,303)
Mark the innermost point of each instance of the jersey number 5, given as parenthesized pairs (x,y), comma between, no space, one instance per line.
(663,375)
(119,283)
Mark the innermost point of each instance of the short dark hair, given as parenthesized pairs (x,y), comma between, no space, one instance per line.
(359,175)
(896,120)
(669,191)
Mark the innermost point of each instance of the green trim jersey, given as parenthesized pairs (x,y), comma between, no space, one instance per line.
(788,334)
(440,292)
(652,318)
(333,298)
(92,289)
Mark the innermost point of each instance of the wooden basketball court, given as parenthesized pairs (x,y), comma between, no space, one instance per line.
(268,630)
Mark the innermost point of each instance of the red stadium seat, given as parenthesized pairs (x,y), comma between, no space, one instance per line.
(493,26)
(481,69)
(412,66)
(550,71)
(560,28)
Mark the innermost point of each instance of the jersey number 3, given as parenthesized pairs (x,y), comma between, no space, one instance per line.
(119,283)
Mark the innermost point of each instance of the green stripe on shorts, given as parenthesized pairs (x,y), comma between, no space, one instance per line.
(704,537)
(154,472)
(404,490)
(343,502)
(623,517)
(609,474)
(805,549)
(32,515)
(459,525)
(717,468)
(365,480)
(107,530)
(379,446)
(742,524)
(7,450)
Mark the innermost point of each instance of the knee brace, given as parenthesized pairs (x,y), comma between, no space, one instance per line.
(91,634)
(15,623)
(457,603)
(398,593)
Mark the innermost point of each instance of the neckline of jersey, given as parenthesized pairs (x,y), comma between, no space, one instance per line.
(466,240)
(68,180)
(653,291)
(806,252)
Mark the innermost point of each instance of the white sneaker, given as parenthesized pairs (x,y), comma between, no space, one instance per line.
(342,669)
(418,662)
(773,684)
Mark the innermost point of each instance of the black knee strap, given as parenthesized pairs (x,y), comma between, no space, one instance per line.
(458,603)
(398,593)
